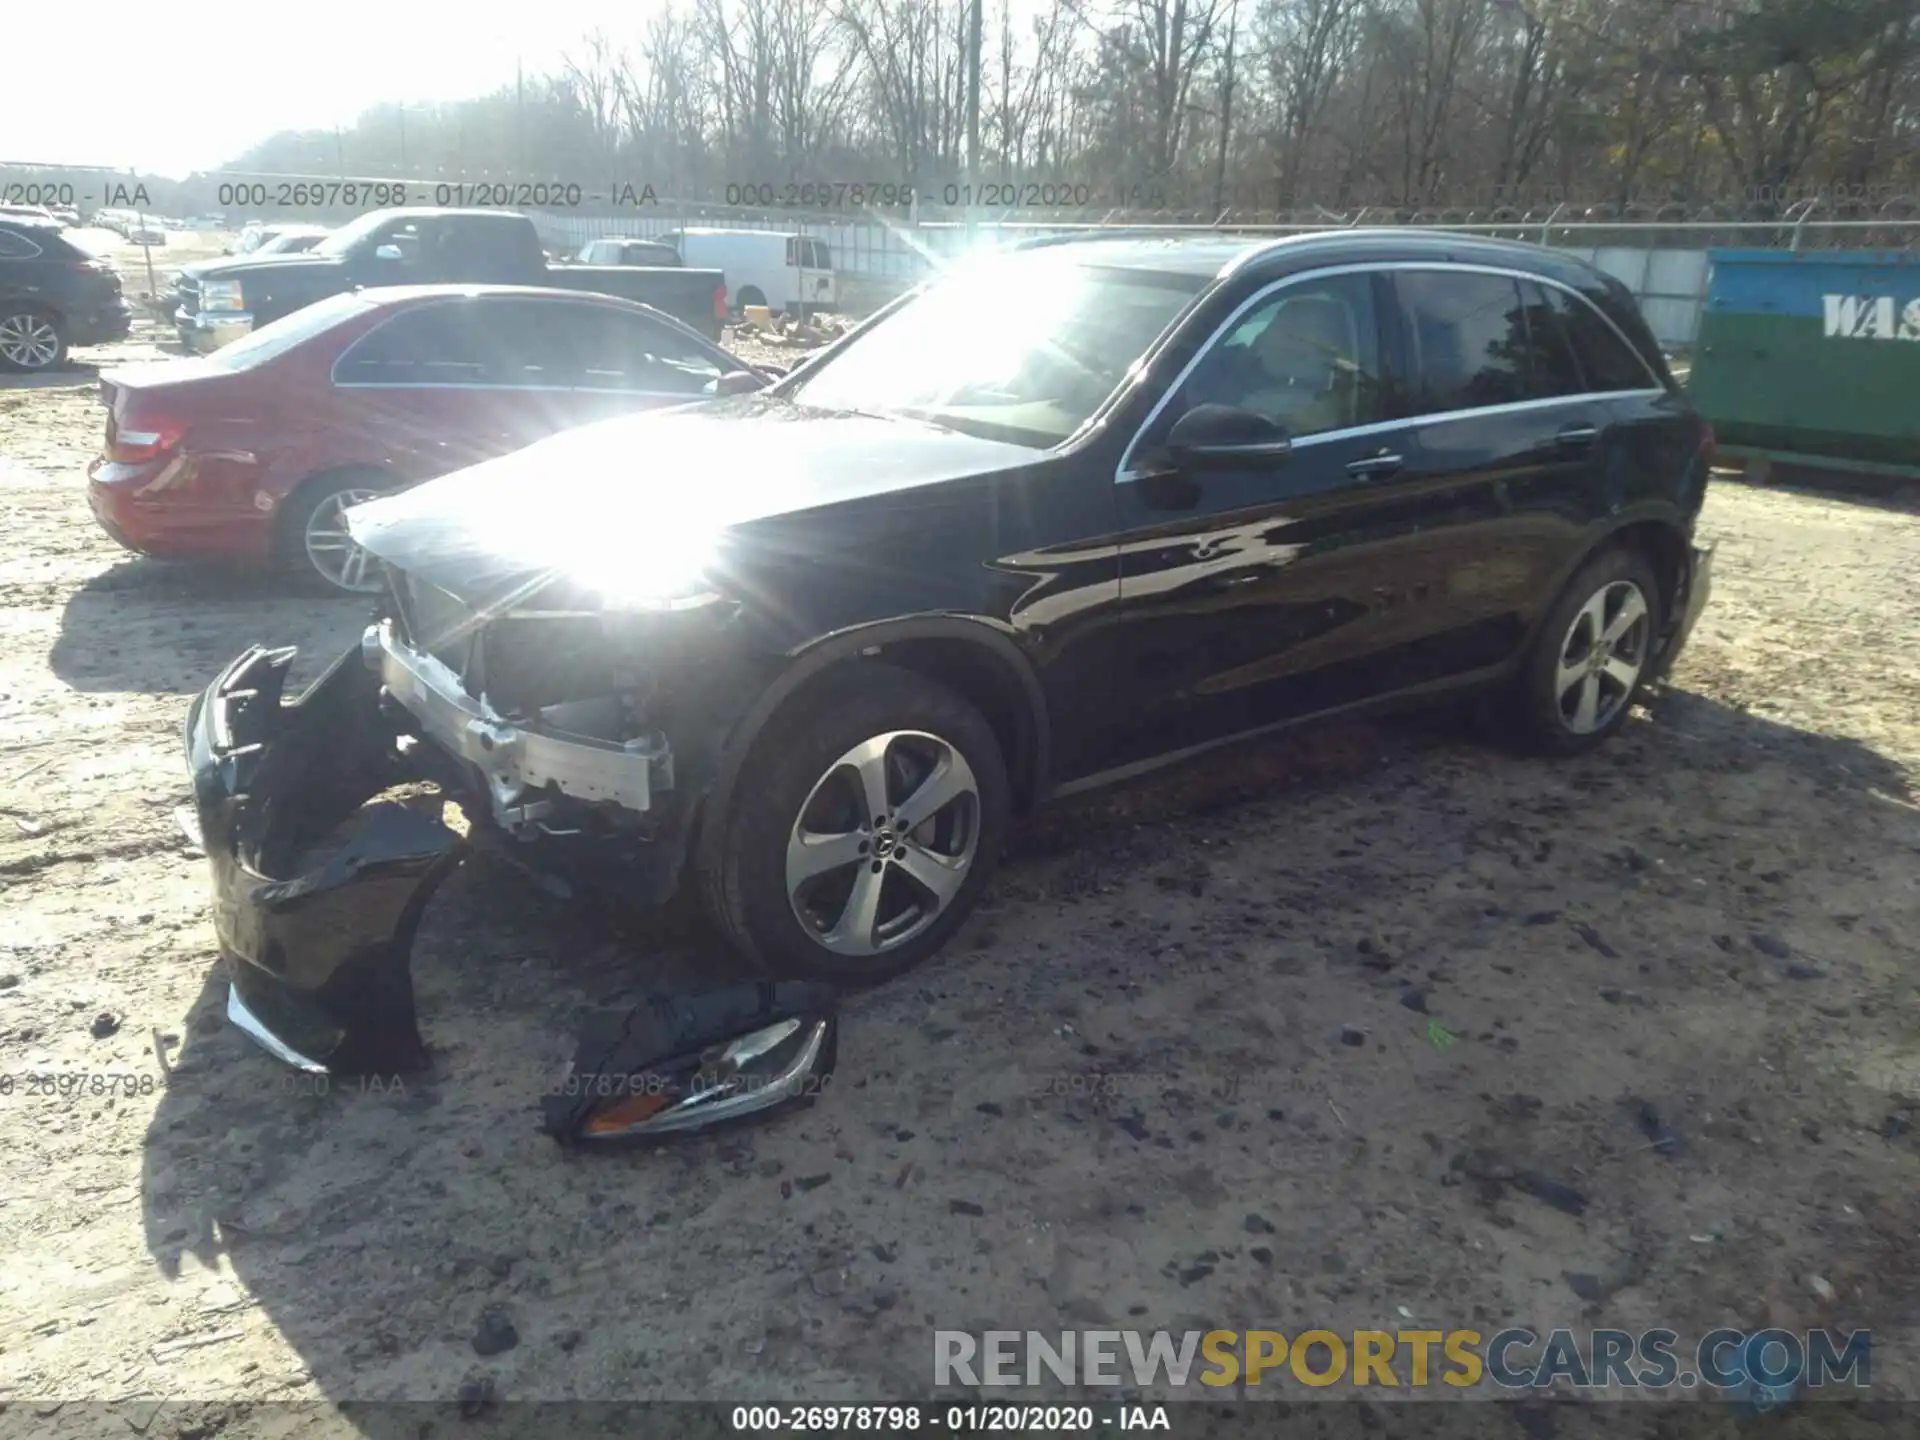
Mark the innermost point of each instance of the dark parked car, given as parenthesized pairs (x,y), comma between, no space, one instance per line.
(423,247)
(53,294)
(1071,512)
(254,452)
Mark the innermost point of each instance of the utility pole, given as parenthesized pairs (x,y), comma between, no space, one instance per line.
(973,110)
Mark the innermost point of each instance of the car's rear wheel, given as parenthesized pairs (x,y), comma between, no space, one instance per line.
(863,836)
(314,540)
(31,340)
(1592,655)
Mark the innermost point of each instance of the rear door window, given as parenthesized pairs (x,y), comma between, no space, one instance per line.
(1466,340)
(1609,363)
(446,344)
(632,353)
(15,246)
(1551,366)
(572,345)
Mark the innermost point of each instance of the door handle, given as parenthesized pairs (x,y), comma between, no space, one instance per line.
(1577,437)
(1374,467)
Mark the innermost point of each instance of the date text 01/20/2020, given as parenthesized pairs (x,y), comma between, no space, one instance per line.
(949,1419)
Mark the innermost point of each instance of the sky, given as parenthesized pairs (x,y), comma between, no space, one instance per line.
(168,89)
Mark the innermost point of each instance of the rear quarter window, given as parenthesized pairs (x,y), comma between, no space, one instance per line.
(1608,361)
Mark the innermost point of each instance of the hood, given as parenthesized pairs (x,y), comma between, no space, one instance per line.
(238,267)
(641,502)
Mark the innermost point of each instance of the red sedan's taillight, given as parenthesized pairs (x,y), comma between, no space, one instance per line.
(720,301)
(144,440)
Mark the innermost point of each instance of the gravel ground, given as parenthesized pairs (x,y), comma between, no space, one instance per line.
(1355,983)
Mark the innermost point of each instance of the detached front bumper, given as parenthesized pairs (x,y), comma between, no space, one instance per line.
(317,952)
(205,331)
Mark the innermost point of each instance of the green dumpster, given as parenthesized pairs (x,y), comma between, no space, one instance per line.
(1813,353)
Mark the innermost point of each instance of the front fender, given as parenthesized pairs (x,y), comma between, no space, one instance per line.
(870,642)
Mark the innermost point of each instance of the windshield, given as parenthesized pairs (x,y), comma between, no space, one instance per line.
(352,233)
(1015,347)
(270,342)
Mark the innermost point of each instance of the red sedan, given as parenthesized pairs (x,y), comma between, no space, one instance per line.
(255,451)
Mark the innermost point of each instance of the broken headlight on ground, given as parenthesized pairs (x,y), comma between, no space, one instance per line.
(679,1063)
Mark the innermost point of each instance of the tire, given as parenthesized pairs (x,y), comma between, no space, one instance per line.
(797,781)
(1564,674)
(749,296)
(311,509)
(31,340)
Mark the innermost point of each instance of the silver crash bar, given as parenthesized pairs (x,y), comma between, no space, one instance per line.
(513,759)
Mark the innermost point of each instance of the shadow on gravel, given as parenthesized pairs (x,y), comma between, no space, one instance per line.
(1879,492)
(167,628)
(376,1225)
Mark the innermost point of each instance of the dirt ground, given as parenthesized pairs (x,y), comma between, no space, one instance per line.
(1352,987)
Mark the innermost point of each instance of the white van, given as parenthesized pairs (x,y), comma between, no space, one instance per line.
(792,273)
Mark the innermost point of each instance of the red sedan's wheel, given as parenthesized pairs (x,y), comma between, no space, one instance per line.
(315,539)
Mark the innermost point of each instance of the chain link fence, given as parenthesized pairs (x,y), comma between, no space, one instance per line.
(1658,251)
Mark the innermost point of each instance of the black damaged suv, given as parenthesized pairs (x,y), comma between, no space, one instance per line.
(1070,512)
(53,294)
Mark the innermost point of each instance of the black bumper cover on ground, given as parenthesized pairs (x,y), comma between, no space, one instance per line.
(318,957)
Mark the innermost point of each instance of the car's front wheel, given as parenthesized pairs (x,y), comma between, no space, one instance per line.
(31,340)
(1591,656)
(861,838)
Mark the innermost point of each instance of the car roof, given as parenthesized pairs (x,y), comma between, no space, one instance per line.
(1224,253)
(408,294)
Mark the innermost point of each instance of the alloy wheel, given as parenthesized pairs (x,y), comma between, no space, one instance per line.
(330,548)
(884,843)
(1602,656)
(28,341)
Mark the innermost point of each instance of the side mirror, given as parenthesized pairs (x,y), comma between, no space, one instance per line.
(739,382)
(388,252)
(1224,435)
